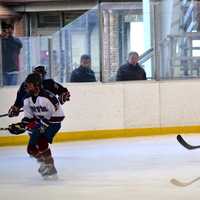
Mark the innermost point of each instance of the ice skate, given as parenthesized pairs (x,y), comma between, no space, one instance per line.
(48,172)
(42,167)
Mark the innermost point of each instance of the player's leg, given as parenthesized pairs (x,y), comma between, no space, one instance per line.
(32,147)
(38,148)
(51,131)
(47,167)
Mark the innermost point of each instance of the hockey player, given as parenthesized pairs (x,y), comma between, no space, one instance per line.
(48,84)
(42,118)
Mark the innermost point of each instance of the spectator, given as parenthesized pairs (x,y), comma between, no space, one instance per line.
(4,30)
(83,73)
(131,70)
(11,47)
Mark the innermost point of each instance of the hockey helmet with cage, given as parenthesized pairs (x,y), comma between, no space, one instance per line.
(40,69)
(35,79)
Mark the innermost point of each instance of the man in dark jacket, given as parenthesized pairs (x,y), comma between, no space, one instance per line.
(83,73)
(131,70)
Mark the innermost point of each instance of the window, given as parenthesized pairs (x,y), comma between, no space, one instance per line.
(48,19)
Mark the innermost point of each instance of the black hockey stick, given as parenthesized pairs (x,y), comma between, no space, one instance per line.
(183,184)
(4,129)
(185,144)
(6,114)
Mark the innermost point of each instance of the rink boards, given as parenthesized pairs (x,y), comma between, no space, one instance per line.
(122,109)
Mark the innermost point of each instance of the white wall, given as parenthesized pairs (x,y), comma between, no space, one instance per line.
(97,106)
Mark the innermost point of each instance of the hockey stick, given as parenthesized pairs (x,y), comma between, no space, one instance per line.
(183,184)
(185,144)
(4,129)
(6,114)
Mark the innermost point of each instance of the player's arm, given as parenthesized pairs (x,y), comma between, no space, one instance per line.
(14,110)
(62,92)
(20,127)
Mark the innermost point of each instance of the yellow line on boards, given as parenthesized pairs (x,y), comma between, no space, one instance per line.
(103,134)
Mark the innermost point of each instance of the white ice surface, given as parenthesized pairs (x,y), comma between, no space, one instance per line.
(117,169)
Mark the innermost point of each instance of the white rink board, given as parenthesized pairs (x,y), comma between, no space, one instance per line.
(141,105)
(94,107)
(180,103)
(97,106)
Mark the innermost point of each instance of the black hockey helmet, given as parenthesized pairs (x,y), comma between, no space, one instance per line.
(35,79)
(40,69)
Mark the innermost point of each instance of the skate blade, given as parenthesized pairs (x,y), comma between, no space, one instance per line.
(50,177)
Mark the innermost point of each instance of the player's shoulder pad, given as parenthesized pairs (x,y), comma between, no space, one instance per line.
(50,84)
(22,87)
(50,96)
(49,80)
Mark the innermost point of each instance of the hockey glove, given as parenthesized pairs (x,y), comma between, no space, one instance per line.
(65,96)
(29,123)
(40,125)
(13,111)
(44,124)
(17,128)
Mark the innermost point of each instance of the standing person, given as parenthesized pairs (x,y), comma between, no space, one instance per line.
(42,117)
(83,73)
(131,70)
(48,84)
(4,30)
(11,47)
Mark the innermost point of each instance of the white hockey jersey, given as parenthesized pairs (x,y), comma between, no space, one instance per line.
(44,106)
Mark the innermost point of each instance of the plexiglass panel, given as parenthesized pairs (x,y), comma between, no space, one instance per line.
(166,35)
(178,38)
(125,28)
(19,61)
(78,38)
(181,56)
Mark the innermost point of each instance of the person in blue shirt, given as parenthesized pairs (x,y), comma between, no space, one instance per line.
(11,47)
(83,73)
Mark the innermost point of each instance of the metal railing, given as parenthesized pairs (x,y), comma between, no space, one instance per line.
(180,56)
(146,56)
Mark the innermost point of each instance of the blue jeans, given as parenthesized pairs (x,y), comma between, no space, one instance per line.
(48,134)
(10,78)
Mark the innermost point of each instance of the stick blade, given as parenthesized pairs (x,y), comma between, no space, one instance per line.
(184,143)
(183,184)
(177,183)
(4,129)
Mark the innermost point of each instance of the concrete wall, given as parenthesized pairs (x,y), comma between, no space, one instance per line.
(97,106)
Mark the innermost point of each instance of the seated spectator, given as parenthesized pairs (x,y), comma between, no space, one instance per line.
(131,70)
(83,73)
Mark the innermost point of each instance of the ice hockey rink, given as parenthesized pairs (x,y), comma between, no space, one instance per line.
(113,169)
